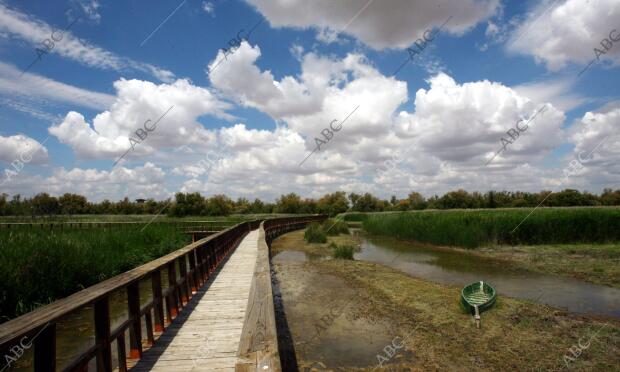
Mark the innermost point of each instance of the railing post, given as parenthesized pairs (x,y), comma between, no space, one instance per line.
(122,356)
(200,265)
(135,329)
(220,252)
(45,349)
(194,271)
(173,290)
(185,291)
(102,335)
(158,304)
(211,259)
(148,322)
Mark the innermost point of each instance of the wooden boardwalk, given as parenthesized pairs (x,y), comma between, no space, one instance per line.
(206,334)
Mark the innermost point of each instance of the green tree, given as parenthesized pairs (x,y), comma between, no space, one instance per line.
(333,203)
(242,206)
(44,204)
(459,199)
(308,206)
(416,201)
(290,203)
(72,204)
(4,205)
(219,205)
(610,197)
(368,203)
(188,205)
(257,207)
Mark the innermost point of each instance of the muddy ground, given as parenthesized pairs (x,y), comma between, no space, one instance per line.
(359,316)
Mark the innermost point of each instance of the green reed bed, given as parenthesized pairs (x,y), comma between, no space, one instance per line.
(354,216)
(334,227)
(40,266)
(315,234)
(475,228)
(342,252)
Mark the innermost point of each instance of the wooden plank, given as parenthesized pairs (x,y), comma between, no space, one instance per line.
(206,333)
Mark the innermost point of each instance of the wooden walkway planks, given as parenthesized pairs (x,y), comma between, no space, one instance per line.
(205,336)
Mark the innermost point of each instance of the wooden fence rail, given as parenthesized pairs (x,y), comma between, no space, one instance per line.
(258,346)
(196,263)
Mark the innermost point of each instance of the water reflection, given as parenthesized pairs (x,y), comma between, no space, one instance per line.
(297,256)
(75,333)
(459,268)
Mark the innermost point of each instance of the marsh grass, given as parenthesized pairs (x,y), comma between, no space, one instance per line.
(343,252)
(315,234)
(335,227)
(476,228)
(40,266)
(515,334)
(355,216)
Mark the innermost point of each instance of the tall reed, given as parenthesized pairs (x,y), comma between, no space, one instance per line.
(475,228)
(40,266)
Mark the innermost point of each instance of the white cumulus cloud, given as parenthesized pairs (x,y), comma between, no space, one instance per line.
(380,24)
(138,106)
(558,33)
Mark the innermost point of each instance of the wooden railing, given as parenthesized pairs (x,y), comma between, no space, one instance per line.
(196,263)
(258,346)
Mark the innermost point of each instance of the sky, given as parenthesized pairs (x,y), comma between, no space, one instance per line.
(258,98)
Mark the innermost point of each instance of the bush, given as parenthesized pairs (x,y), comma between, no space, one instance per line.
(343,252)
(314,233)
(335,227)
(475,228)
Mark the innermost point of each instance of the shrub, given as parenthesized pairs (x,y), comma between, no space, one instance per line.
(314,233)
(343,252)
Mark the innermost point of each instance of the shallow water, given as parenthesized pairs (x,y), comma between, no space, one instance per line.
(319,326)
(303,297)
(457,268)
(296,256)
(75,332)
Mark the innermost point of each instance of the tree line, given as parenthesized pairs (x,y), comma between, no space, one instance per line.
(194,204)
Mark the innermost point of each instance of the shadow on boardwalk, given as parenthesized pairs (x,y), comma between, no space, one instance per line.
(152,355)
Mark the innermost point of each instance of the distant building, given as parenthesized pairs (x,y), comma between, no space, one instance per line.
(140,201)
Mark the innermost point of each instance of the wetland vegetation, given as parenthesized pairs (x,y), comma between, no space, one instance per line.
(372,298)
(40,265)
(582,243)
(477,228)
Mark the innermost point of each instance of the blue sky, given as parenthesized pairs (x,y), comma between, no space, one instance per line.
(244,128)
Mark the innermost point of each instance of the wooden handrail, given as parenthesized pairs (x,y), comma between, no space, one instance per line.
(258,346)
(38,328)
